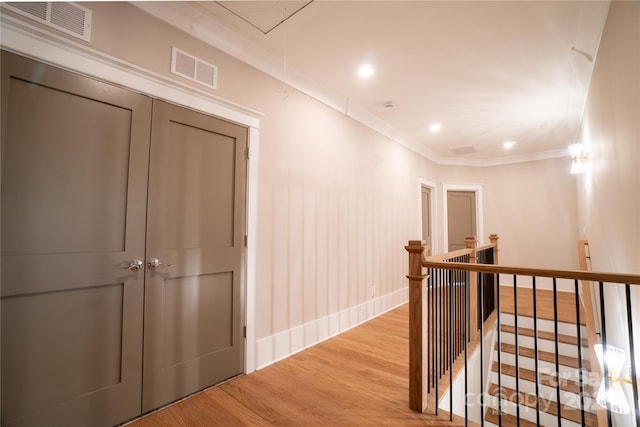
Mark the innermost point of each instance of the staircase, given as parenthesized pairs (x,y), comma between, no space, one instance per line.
(570,413)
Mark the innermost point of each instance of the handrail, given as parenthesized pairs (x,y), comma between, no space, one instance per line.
(631,279)
(590,320)
(485,247)
(434,313)
(449,255)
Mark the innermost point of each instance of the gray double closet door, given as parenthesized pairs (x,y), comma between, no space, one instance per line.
(122,244)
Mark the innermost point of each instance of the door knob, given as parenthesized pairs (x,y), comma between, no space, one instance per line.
(154,263)
(134,265)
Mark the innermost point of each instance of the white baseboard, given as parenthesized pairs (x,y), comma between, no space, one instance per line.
(288,342)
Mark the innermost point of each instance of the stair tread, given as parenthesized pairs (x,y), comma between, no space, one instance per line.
(566,304)
(550,336)
(548,406)
(507,420)
(543,379)
(546,356)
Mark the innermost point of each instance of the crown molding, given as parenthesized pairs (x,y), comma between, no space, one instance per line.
(215,33)
(499,161)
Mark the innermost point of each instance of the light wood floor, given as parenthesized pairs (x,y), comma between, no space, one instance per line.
(358,378)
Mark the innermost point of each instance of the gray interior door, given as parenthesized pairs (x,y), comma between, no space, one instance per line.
(461,218)
(74,186)
(196,227)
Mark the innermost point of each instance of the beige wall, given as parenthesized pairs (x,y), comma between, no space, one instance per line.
(609,192)
(337,201)
(532,208)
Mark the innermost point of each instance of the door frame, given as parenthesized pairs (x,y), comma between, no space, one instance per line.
(37,43)
(433,187)
(475,188)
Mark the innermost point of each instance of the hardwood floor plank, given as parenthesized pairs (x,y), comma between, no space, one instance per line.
(358,378)
(256,415)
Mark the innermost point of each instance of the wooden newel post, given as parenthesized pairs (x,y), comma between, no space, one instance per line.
(493,238)
(418,387)
(471,243)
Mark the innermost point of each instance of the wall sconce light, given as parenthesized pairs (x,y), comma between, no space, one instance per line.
(579,158)
(610,394)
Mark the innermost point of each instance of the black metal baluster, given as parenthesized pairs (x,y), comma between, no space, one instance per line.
(456,320)
(429,329)
(432,331)
(481,352)
(466,354)
(461,291)
(436,334)
(454,313)
(555,324)
(499,325)
(582,414)
(439,331)
(452,310)
(515,316)
(461,320)
(604,350)
(632,356)
(444,335)
(450,354)
(435,331)
(535,349)
(460,308)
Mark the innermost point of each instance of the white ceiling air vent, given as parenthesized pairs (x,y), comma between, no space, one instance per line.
(67,17)
(194,69)
(467,149)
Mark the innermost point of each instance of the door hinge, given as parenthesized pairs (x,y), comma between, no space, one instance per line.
(244,331)
(247,152)
(246,241)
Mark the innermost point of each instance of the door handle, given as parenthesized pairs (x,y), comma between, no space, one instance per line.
(154,263)
(134,265)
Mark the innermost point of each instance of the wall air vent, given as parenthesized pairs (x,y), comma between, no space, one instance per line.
(194,69)
(67,17)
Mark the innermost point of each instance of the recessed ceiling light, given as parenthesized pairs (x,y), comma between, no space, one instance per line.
(365,70)
(435,127)
(509,144)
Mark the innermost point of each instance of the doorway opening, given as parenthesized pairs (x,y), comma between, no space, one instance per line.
(426,203)
(462,205)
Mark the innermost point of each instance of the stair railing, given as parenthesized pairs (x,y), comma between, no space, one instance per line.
(442,324)
(435,338)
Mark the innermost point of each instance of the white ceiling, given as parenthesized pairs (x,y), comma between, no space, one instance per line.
(490,72)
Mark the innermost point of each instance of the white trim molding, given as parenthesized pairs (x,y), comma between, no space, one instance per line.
(424,182)
(283,344)
(34,42)
(25,39)
(476,188)
(252,253)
